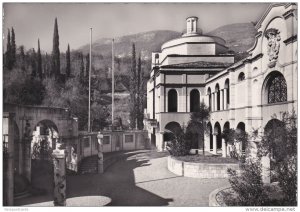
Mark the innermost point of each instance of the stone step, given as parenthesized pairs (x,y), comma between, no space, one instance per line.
(22,194)
(88,165)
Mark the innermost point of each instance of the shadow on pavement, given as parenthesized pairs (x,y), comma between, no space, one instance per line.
(117,183)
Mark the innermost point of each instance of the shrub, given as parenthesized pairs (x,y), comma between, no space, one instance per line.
(248,185)
(280,142)
(179,145)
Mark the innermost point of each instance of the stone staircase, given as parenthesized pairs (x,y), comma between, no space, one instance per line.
(88,165)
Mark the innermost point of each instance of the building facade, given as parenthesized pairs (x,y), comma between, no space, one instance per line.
(243,95)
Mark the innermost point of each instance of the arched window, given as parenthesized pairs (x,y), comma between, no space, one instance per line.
(228,92)
(241,76)
(171,129)
(240,129)
(209,127)
(217,130)
(172,101)
(209,98)
(194,100)
(277,90)
(218,96)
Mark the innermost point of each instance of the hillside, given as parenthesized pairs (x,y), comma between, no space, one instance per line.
(239,37)
(146,43)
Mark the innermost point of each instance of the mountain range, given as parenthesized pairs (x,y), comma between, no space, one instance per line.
(239,38)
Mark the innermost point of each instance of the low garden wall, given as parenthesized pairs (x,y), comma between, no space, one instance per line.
(213,200)
(200,170)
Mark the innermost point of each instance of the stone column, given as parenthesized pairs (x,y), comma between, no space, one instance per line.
(215,143)
(222,100)
(216,101)
(213,102)
(161,138)
(224,148)
(225,99)
(27,150)
(59,162)
(100,163)
(228,149)
(266,169)
(8,163)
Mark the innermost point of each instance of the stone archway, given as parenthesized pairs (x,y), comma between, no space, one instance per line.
(273,129)
(241,129)
(44,140)
(194,100)
(210,131)
(218,134)
(171,129)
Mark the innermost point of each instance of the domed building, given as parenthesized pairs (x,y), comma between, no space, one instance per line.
(244,95)
(177,80)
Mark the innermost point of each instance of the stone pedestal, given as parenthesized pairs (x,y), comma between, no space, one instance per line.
(224,148)
(265,161)
(59,162)
(100,163)
(8,159)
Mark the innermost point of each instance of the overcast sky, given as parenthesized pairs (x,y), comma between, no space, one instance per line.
(36,20)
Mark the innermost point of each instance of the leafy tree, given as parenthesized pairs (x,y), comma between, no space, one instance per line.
(81,75)
(25,91)
(280,143)
(68,59)
(233,137)
(13,47)
(22,59)
(87,68)
(247,185)
(39,61)
(196,126)
(56,53)
(179,145)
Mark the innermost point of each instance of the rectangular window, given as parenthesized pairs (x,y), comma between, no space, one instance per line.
(106,139)
(128,138)
(86,142)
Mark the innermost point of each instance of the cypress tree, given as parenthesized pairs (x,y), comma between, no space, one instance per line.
(87,67)
(13,47)
(133,86)
(22,58)
(8,52)
(39,61)
(56,53)
(138,96)
(33,64)
(68,59)
(81,75)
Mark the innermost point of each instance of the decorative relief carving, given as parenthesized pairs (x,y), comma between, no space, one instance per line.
(273,36)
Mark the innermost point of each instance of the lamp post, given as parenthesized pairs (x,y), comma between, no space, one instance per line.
(100,154)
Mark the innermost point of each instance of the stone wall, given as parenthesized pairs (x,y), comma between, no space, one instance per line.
(199,170)
(116,141)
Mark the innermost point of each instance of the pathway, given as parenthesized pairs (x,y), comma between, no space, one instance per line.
(143,180)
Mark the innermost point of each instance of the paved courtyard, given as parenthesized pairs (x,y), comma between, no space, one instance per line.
(142,180)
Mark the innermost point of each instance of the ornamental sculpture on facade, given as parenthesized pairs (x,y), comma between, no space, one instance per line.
(273,36)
